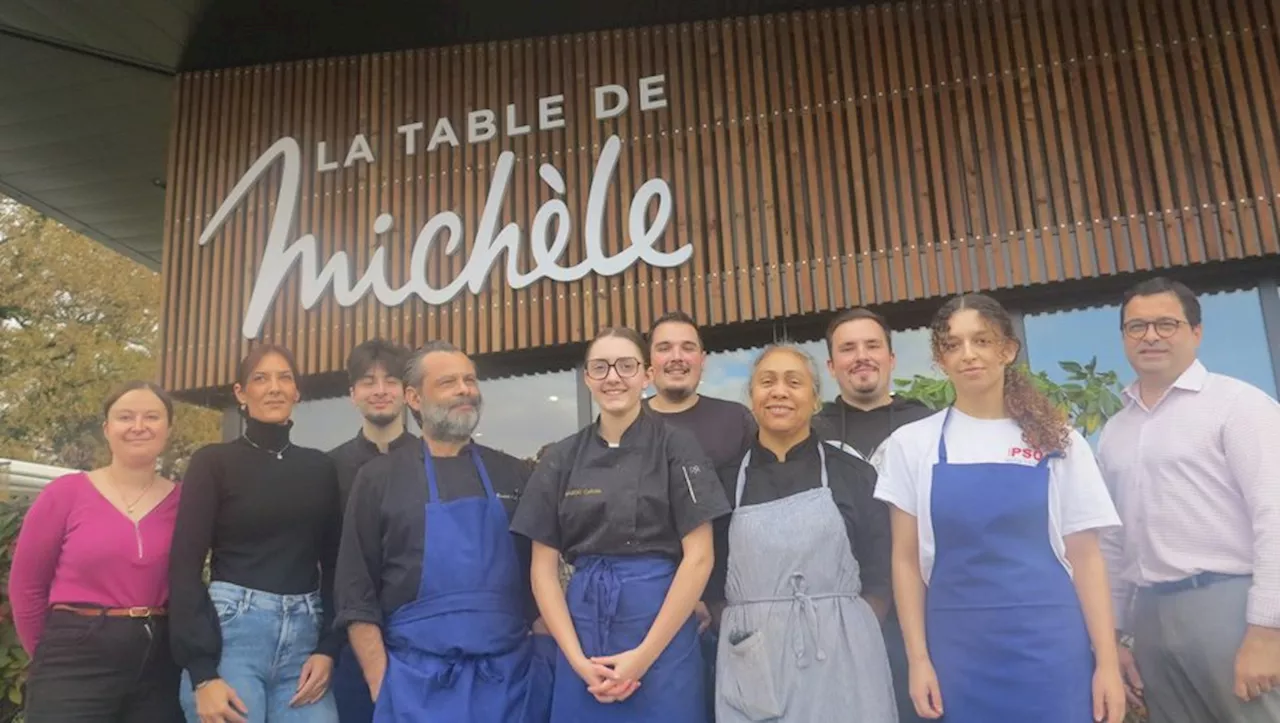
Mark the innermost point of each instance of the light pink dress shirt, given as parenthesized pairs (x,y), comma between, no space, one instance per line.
(1196,479)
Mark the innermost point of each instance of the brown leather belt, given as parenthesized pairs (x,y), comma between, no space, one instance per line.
(134,612)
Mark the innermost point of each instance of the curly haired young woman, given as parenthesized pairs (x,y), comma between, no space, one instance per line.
(996,503)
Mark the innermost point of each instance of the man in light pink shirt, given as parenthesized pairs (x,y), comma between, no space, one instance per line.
(1193,464)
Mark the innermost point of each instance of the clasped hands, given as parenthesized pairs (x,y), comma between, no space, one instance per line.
(614,678)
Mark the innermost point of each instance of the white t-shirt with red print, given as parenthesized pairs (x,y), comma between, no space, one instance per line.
(1078,497)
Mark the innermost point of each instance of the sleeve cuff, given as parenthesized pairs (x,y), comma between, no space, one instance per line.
(332,643)
(346,617)
(1264,609)
(202,670)
(1120,602)
(892,498)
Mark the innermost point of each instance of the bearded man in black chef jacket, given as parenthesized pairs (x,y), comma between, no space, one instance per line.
(431,585)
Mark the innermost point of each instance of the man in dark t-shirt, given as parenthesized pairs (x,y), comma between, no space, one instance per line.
(724,429)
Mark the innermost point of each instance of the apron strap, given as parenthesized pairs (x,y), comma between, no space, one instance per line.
(433,487)
(742,480)
(942,438)
(746,460)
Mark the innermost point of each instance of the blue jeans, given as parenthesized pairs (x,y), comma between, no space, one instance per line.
(266,638)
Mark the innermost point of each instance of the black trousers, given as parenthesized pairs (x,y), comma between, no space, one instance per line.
(103,670)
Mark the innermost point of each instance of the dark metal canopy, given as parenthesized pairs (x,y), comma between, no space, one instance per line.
(86,85)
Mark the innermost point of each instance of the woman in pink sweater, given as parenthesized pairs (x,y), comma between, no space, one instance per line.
(89,583)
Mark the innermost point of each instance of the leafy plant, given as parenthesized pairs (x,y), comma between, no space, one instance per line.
(1088,396)
(13,659)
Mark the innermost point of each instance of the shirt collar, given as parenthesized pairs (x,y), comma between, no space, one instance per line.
(636,433)
(762,455)
(368,446)
(421,448)
(1191,380)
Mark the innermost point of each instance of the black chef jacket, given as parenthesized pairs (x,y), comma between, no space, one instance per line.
(355,453)
(852,483)
(639,498)
(380,560)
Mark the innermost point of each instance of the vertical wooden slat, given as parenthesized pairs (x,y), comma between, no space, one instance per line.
(1200,50)
(584,53)
(1058,252)
(988,85)
(1154,172)
(912,154)
(1183,223)
(840,108)
(817,74)
(942,148)
(1260,62)
(1040,259)
(634,309)
(732,195)
(968,161)
(173,235)
(690,166)
(1071,208)
(706,51)
(918,150)
(1260,231)
(775,241)
(199,263)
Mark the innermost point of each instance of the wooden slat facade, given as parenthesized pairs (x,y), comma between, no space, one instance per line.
(817,161)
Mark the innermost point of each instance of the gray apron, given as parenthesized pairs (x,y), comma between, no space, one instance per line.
(797,641)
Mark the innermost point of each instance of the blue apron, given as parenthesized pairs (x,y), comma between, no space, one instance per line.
(1004,627)
(462,652)
(613,602)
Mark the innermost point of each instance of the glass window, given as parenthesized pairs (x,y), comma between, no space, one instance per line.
(910,349)
(523,413)
(725,374)
(1234,343)
(324,423)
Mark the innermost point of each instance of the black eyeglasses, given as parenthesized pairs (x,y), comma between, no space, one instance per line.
(1165,328)
(627,367)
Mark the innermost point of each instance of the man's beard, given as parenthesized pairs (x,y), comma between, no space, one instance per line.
(677,394)
(442,423)
(381,420)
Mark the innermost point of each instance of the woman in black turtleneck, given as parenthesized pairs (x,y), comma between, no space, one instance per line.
(257,644)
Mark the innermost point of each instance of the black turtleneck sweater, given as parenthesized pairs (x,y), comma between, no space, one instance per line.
(271,525)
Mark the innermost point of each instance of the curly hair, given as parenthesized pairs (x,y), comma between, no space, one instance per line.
(1044,425)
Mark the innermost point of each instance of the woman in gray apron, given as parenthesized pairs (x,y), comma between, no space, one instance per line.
(808,558)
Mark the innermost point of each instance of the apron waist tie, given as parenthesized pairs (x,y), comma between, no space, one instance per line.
(455,661)
(601,589)
(802,605)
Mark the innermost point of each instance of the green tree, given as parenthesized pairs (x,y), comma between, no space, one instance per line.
(76,319)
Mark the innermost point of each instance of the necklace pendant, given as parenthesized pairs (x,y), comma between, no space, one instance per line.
(280,455)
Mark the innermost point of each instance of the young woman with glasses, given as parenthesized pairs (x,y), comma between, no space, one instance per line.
(629,502)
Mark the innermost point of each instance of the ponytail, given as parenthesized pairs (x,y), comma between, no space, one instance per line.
(1044,425)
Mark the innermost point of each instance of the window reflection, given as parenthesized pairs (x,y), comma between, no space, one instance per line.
(521,414)
(324,423)
(1234,342)
(726,374)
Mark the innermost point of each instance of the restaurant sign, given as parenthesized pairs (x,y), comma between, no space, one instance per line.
(549,232)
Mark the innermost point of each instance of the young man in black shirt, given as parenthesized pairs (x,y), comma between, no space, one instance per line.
(432,586)
(724,429)
(862,417)
(376,371)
